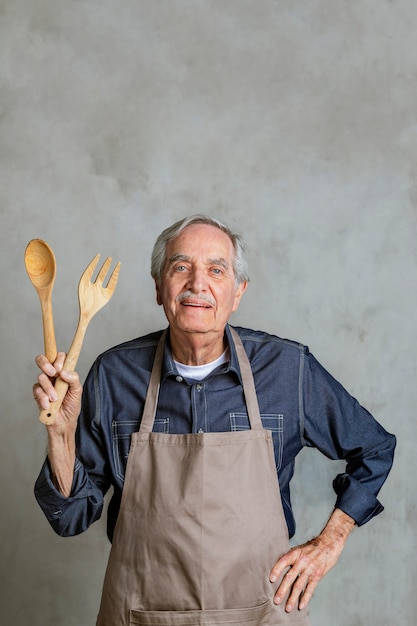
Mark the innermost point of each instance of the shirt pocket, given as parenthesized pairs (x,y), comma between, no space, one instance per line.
(121,435)
(270,421)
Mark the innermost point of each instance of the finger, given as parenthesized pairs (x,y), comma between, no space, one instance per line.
(72,378)
(297,590)
(307,594)
(47,385)
(71,404)
(50,369)
(45,365)
(282,564)
(42,398)
(59,361)
(291,579)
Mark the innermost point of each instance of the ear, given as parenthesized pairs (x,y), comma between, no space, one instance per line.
(239,293)
(158,293)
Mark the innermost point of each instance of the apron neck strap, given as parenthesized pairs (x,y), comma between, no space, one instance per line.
(249,391)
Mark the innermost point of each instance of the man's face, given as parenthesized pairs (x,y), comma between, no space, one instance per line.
(197,288)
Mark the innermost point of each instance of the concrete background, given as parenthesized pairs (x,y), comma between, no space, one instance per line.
(295,122)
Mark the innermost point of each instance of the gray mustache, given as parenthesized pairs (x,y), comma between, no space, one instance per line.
(189,295)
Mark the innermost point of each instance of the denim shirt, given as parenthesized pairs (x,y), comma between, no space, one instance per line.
(299,401)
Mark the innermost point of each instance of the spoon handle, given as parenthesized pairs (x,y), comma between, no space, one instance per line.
(48,329)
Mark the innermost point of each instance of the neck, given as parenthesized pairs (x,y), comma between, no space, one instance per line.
(196,348)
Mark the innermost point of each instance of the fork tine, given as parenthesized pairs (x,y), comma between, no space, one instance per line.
(114,277)
(103,271)
(89,271)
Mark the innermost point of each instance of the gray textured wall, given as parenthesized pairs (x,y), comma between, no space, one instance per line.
(295,122)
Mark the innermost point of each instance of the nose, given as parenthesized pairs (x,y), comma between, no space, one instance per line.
(197,281)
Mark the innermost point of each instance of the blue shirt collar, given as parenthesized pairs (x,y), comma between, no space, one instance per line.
(169,368)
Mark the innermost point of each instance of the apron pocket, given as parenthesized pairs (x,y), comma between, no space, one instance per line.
(253,616)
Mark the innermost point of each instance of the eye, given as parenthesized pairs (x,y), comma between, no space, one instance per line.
(217,271)
(180,268)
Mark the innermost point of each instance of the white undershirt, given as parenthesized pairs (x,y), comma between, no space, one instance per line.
(198,372)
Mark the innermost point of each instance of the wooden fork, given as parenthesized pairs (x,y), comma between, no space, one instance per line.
(92,296)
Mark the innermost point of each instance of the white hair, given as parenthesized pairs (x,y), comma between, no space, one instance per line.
(240,265)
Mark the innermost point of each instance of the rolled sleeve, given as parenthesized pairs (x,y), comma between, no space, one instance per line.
(355,499)
(357,488)
(73,515)
(341,428)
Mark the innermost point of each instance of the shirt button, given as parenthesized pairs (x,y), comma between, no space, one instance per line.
(199,387)
(178,379)
(200,430)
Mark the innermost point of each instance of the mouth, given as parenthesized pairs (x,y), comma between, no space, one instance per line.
(195,304)
(200,301)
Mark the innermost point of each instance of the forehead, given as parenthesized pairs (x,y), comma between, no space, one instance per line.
(201,240)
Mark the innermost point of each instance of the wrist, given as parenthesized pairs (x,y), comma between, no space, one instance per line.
(338,527)
(61,442)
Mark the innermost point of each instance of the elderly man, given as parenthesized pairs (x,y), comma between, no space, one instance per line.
(196,428)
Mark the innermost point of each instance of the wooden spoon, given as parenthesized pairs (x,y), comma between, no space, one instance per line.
(41,268)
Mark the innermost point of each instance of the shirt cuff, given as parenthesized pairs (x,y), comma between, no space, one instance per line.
(59,510)
(354,499)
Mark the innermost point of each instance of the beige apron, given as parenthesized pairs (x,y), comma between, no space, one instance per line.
(200,525)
